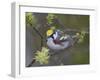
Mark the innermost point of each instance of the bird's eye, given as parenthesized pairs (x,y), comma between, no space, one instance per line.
(46,40)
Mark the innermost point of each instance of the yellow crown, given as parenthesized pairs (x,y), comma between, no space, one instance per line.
(49,32)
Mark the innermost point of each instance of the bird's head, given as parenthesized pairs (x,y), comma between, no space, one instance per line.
(49,32)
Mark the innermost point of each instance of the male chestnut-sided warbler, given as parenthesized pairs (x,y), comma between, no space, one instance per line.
(57,41)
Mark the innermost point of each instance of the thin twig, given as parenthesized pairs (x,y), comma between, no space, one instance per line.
(39,35)
(33,61)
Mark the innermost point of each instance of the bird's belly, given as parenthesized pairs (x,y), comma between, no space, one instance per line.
(54,46)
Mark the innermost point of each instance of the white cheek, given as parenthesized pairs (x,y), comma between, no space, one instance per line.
(55,35)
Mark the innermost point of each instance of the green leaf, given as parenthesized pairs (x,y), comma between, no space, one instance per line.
(81,36)
(50,18)
(42,56)
(30,19)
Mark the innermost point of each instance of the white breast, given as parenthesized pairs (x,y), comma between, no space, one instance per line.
(54,46)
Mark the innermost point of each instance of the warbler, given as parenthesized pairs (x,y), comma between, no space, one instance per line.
(57,41)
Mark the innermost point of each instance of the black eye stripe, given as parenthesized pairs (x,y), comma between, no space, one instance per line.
(52,35)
